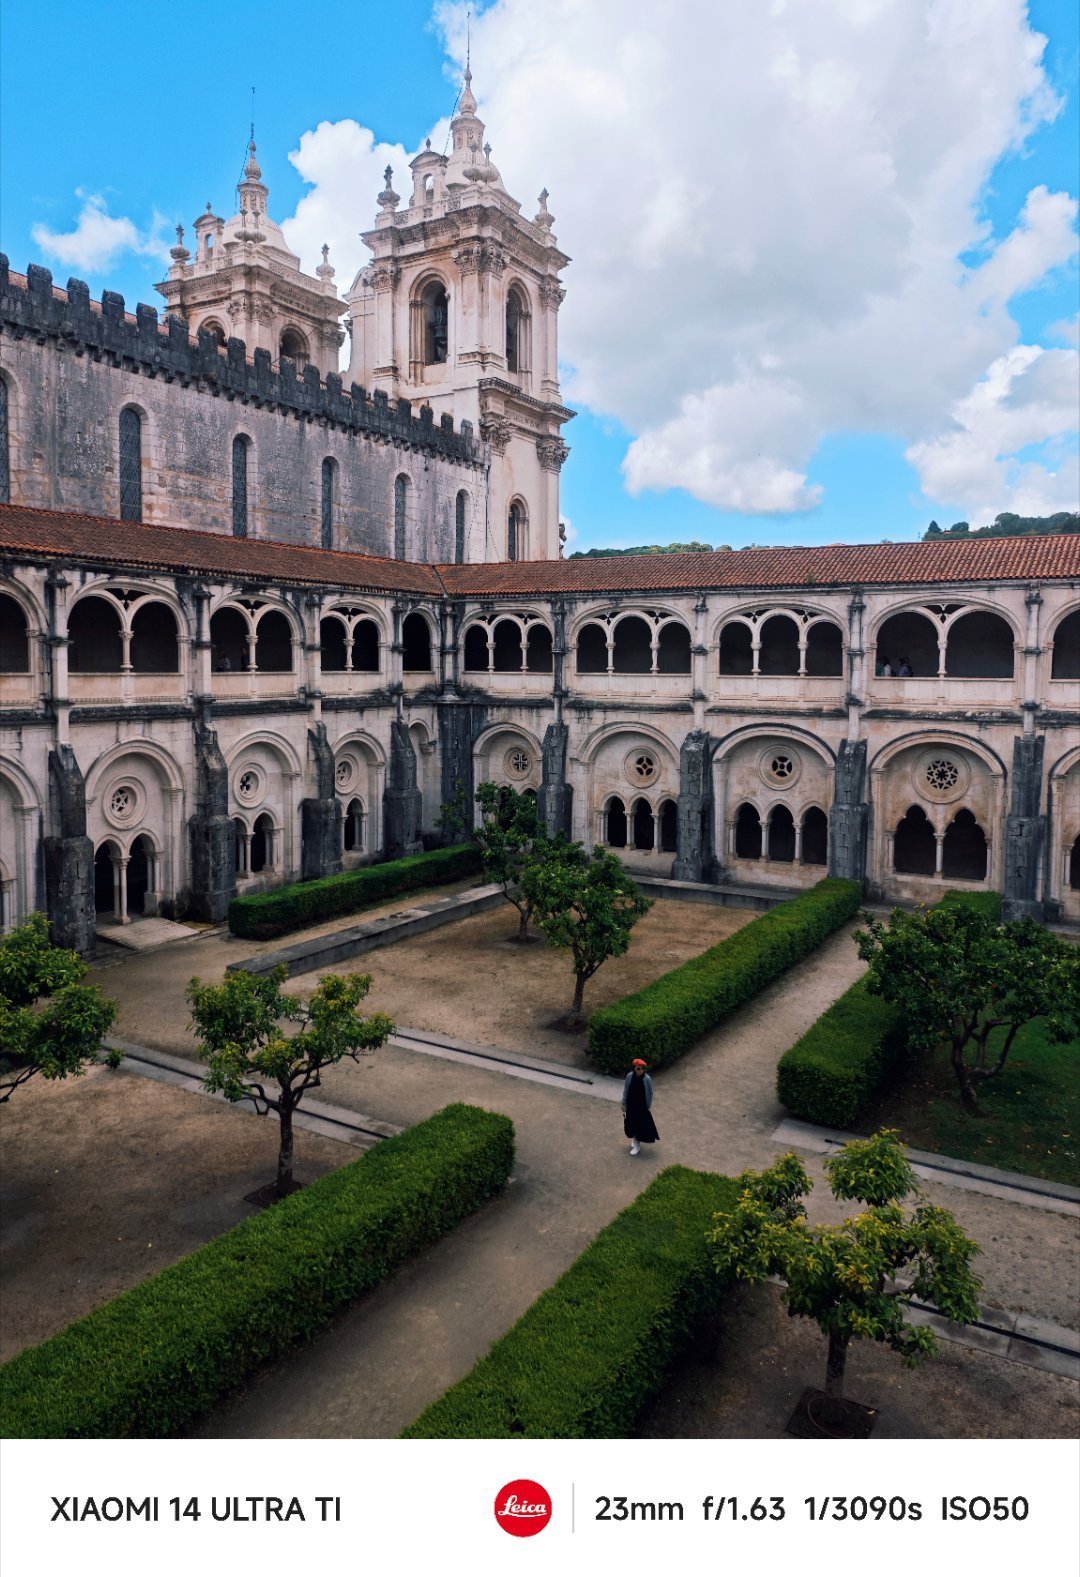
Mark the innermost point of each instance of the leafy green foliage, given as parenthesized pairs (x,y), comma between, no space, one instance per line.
(1009,525)
(670,547)
(843,1276)
(963,978)
(265,915)
(662,1021)
(587,904)
(152,1360)
(510,836)
(240,1028)
(590,1352)
(49,1023)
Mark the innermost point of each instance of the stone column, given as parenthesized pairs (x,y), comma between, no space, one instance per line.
(1025,830)
(320,814)
(459,723)
(69,856)
(554,802)
(849,813)
(696,859)
(210,829)
(401,798)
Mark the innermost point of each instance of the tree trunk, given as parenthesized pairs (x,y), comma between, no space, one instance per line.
(285,1152)
(834,1368)
(523,925)
(963,1079)
(579,996)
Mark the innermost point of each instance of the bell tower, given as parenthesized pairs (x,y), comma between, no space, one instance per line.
(458,310)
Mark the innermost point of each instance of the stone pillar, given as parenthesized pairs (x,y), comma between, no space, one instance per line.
(554,802)
(696,859)
(320,814)
(1025,830)
(401,797)
(69,856)
(213,841)
(459,723)
(849,813)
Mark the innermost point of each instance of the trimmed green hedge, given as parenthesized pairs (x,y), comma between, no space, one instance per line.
(155,1358)
(832,1073)
(585,1358)
(266,915)
(663,1020)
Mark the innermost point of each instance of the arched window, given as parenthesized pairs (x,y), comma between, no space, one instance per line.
(365,652)
(293,345)
(592,651)
(779,655)
(736,649)
(215,330)
(1074,865)
(130,464)
(669,827)
(644,826)
(1066,663)
(673,649)
(459,527)
(747,834)
(140,874)
(262,851)
(352,827)
(506,646)
(327,511)
(105,883)
(401,495)
(155,648)
(416,644)
(517,331)
(815,837)
(476,649)
(913,844)
(539,657)
(824,651)
(912,636)
(242,844)
(332,654)
(963,852)
(980,646)
(229,646)
(273,644)
(616,825)
(5,466)
(515,533)
(240,448)
(781,834)
(436,319)
(632,647)
(95,646)
(14,637)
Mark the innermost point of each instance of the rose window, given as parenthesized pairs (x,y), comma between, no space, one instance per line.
(248,786)
(122,803)
(781,767)
(641,767)
(343,774)
(942,774)
(518,763)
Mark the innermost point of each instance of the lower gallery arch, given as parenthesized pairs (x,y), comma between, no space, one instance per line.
(914,844)
(507,754)
(747,833)
(964,849)
(782,835)
(630,772)
(815,837)
(935,802)
(615,828)
(644,827)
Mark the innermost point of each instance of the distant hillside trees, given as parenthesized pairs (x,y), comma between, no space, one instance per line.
(671,547)
(1006,525)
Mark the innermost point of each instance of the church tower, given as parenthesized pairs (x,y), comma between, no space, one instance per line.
(459,310)
(244,282)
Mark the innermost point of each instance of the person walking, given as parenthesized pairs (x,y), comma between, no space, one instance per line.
(638,1125)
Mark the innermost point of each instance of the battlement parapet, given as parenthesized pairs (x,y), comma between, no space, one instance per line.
(142,343)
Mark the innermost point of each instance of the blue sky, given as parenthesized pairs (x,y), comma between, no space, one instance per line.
(147,123)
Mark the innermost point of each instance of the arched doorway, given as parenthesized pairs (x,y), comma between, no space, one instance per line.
(616,824)
(104,880)
(914,844)
(963,854)
(140,875)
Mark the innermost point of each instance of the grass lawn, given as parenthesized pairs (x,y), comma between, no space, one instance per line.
(1030,1118)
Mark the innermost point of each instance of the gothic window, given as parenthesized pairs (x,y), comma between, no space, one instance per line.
(459,528)
(963,853)
(327,510)
(506,646)
(416,644)
(747,834)
(673,649)
(240,448)
(669,826)
(94,635)
(1066,664)
(476,649)
(401,494)
(736,649)
(539,657)
(130,465)
(515,533)
(5,467)
(155,648)
(914,844)
(824,651)
(293,345)
(781,834)
(616,825)
(14,638)
(517,331)
(815,837)
(436,313)
(644,826)
(273,644)
(979,646)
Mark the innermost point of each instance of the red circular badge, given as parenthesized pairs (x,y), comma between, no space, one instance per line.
(523,1507)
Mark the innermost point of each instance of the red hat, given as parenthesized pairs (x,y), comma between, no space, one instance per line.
(639,1062)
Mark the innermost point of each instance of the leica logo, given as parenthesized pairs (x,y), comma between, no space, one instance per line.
(523,1508)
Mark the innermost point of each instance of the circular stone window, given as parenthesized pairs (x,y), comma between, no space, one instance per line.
(641,766)
(518,762)
(250,786)
(123,804)
(779,766)
(940,776)
(344,774)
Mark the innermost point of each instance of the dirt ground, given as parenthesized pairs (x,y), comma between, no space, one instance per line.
(748,1387)
(111,1177)
(472,981)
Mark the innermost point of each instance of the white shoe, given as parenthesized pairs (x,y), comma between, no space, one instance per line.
(635,1148)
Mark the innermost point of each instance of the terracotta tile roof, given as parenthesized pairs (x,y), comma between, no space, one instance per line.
(895,563)
(96,540)
(93,539)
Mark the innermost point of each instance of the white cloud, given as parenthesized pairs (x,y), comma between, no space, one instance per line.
(767,205)
(99,238)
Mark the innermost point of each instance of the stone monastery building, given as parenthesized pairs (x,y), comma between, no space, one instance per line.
(259,620)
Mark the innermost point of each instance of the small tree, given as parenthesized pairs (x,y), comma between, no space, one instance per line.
(843,1276)
(587,904)
(961,977)
(65,1035)
(510,836)
(241,1027)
